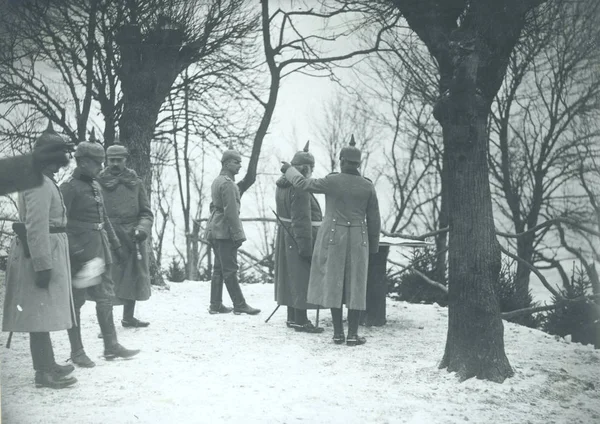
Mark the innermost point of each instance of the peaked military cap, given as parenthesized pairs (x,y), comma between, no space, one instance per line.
(350,152)
(48,136)
(90,149)
(230,154)
(117,150)
(303,157)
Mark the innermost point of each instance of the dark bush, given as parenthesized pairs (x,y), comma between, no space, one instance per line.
(506,290)
(411,287)
(176,272)
(581,319)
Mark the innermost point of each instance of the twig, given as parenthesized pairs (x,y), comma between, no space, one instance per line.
(547,224)
(430,281)
(534,309)
(411,237)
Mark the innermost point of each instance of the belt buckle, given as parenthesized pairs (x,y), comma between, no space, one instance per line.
(100,226)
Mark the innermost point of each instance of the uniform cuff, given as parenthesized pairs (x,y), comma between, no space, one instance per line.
(42,263)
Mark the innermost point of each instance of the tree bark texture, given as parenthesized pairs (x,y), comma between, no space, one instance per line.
(475,342)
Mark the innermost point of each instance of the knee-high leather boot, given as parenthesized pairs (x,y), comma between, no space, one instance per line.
(338,326)
(112,348)
(128,319)
(291,317)
(216,297)
(353,338)
(78,355)
(42,354)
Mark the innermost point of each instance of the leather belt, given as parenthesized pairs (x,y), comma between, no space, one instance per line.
(73,223)
(313,223)
(349,223)
(57,230)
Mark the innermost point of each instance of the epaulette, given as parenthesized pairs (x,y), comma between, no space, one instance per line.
(369,180)
(333,173)
(227,178)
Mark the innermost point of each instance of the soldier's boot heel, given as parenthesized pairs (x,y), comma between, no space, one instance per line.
(355,340)
(52,380)
(118,351)
(222,309)
(339,338)
(81,359)
(245,309)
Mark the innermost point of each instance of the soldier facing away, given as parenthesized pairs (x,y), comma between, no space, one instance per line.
(38,278)
(129,212)
(299,217)
(225,233)
(348,234)
(91,235)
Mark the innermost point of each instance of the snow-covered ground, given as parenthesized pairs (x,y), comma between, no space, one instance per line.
(201,368)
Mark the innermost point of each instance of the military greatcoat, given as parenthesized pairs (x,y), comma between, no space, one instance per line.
(88,227)
(300,213)
(28,308)
(128,209)
(349,232)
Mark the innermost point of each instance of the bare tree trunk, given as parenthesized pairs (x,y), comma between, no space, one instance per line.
(441,239)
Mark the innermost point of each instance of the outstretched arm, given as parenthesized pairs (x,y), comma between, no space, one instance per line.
(312,185)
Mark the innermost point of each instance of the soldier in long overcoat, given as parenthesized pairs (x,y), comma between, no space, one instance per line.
(91,235)
(25,171)
(348,234)
(225,233)
(129,212)
(299,216)
(38,278)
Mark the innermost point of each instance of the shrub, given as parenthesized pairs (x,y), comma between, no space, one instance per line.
(581,320)
(506,289)
(411,287)
(175,273)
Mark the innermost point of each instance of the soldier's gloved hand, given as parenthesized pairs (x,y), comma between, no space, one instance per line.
(42,278)
(139,236)
(119,254)
(238,243)
(51,153)
(285,166)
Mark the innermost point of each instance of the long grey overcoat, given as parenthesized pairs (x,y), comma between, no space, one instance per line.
(128,210)
(349,232)
(301,215)
(28,308)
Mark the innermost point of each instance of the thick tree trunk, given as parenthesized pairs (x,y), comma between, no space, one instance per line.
(475,342)
(525,252)
(441,240)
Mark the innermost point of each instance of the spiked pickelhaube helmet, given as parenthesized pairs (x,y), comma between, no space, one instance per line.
(117,150)
(48,137)
(90,149)
(351,152)
(230,153)
(303,157)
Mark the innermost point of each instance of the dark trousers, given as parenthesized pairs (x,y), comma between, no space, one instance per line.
(225,272)
(42,354)
(103,297)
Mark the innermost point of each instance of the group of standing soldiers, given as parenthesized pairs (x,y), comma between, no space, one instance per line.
(320,261)
(96,214)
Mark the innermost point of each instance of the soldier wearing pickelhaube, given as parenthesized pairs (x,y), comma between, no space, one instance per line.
(225,233)
(348,234)
(299,217)
(38,277)
(130,214)
(91,235)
